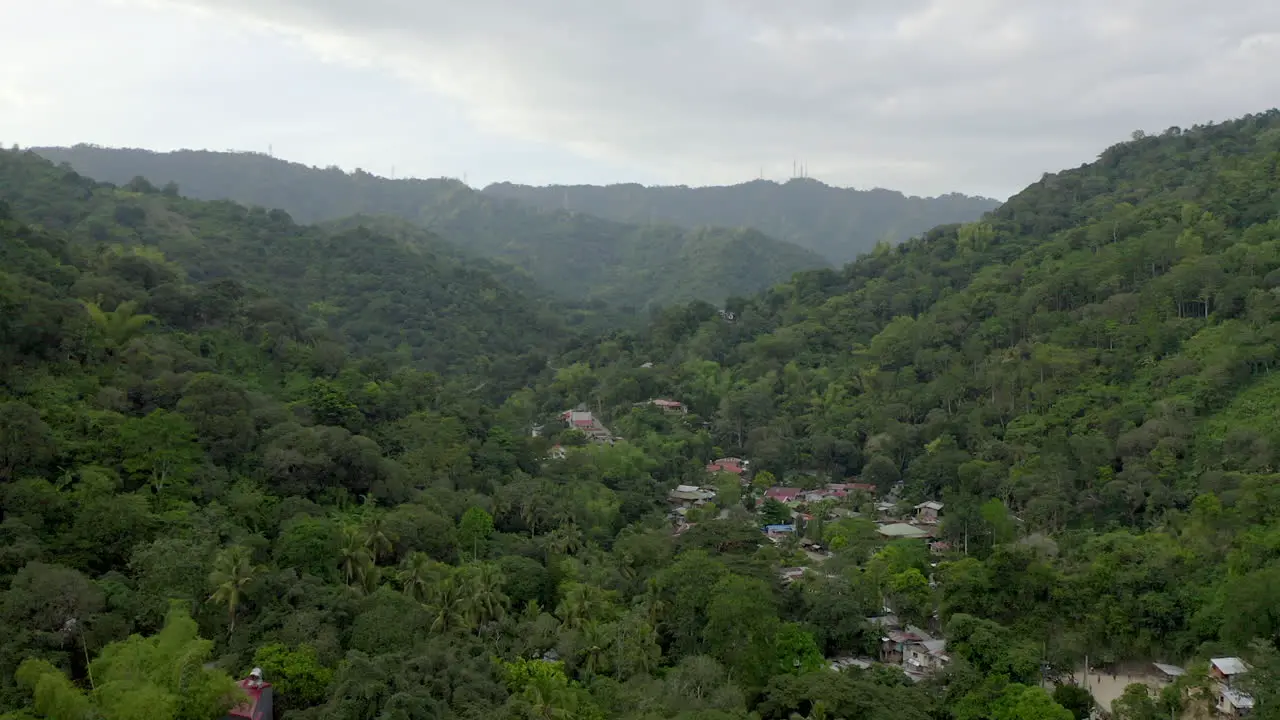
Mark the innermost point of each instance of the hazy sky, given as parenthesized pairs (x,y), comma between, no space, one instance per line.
(925,96)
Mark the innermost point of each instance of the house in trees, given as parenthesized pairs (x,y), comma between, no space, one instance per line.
(784,495)
(898,531)
(670,406)
(895,641)
(922,657)
(1226,672)
(791,574)
(734,465)
(777,533)
(690,496)
(927,512)
(557,452)
(257,705)
(586,422)
(845,488)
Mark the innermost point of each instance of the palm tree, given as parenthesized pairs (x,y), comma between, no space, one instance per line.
(120,325)
(446,606)
(564,540)
(233,570)
(418,573)
(355,559)
(377,538)
(594,641)
(482,590)
(531,512)
(581,603)
(650,603)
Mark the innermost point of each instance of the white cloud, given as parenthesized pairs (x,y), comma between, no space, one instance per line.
(923,95)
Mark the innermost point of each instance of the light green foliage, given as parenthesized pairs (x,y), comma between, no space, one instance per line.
(118,326)
(160,677)
(474,531)
(296,674)
(1019,702)
(161,448)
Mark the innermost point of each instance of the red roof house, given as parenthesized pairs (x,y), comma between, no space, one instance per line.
(783,494)
(729,465)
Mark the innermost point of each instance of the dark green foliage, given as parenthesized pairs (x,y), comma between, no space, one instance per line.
(306,295)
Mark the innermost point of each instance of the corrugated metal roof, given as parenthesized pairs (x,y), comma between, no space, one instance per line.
(1230,665)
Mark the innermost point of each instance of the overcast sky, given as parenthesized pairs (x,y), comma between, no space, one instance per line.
(924,96)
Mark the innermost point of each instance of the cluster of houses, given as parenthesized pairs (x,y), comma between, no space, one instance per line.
(922,524)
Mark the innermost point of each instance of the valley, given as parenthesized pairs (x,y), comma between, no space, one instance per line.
(351,448)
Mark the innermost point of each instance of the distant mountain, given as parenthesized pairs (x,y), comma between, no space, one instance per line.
(318,291)
(838,223)
(577,256)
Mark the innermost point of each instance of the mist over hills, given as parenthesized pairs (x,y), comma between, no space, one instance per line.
(838,223)
(574,255)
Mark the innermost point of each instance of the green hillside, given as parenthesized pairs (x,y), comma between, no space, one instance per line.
(577,256)
(336,288)
(837,223)
(230,441)
(1097,357)
(212,459)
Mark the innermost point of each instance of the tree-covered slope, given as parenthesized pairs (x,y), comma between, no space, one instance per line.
(190,488)
(333,287)
(1100,353)
(578,256)
(837,223)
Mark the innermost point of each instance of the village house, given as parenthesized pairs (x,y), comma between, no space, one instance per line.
(777,533)
(814,496)
(784,495)
(734,465)
(894,642)
(844,662)
(848,487)
(690,496)
(586,422)
(791,574)
(670,406)
(897,531)
(887,510)
(922,657)
(1232,700)
(927,512)
(557,452)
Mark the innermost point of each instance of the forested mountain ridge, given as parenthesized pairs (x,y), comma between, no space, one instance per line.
(339,288)
(837,223)
(1097,357)
(189,488)
(575,255)
(1084,378)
